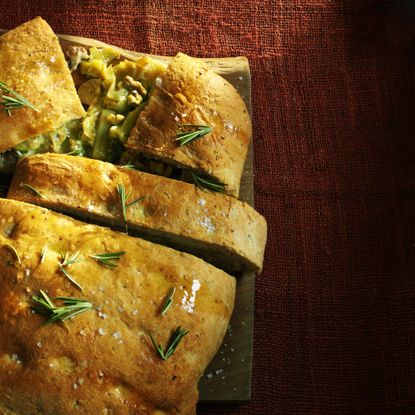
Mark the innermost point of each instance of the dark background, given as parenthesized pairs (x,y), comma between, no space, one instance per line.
(334,124)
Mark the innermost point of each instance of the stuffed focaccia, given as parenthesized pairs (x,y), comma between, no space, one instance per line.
(33,66)
(93,321)
(219,228)
(197,121)
(112,89)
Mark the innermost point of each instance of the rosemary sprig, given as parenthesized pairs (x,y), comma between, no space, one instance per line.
(122,195)
(207,184)
(70,307)
(14,251)
(12,100)
(35,191)
(175,339)
(67,261)
(108,259)
(168,301)
(187,137)
(124,204)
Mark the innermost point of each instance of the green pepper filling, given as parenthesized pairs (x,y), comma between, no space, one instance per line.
(113,92)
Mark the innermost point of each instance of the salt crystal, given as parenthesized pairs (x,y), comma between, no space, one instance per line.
(101,331)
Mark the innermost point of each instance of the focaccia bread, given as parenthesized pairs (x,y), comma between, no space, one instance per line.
(189,92)
(33,65)
(102,361)
(219,228)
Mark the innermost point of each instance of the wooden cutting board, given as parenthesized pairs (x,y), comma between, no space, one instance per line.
(228,377)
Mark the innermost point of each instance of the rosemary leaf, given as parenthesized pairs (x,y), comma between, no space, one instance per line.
(207,184)
(174,341)
(67,275)
(197,131)
(35,191)
(168,301)
(14,251)
(134,202)
(121,193)
(43,254)
(70,307)
(108,259)
(67,261)
(123,196)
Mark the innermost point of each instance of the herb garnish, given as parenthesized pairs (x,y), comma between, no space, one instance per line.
(187,137)
(108,258)
(15,253)
(131,166)
(124,204)
(207,184)
(35,191)
(175,339)
(13,100)
(67,261)
(70,307)
(168,301)
(121,193)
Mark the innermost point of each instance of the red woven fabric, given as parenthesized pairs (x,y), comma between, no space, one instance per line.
(334,123)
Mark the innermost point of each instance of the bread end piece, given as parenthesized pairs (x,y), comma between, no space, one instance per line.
(32,64)
(189,92)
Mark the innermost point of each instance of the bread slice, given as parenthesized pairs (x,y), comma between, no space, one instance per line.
(33,65)
(189,92)
(219,228)
(103,360)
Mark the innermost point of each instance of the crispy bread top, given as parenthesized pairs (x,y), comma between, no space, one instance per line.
(33,65)
(102,358)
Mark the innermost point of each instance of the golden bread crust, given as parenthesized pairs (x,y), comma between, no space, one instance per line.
(189,92)
(219,228)
(33,65)
(102,361)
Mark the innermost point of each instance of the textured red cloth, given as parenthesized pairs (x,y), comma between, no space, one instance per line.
(334,124)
